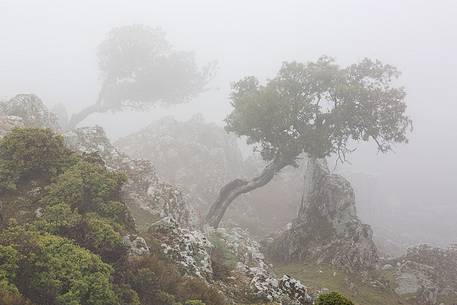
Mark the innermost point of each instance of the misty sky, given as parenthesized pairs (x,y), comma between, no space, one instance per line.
(49,48)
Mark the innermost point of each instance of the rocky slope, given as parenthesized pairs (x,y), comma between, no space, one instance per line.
(170,221)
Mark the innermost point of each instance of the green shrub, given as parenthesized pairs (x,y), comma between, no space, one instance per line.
(54,271)
(150,274)
(89,188)
(333,298)
(27,153)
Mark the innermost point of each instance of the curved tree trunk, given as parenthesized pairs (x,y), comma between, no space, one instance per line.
(80,116)
(97,107)
(233,189)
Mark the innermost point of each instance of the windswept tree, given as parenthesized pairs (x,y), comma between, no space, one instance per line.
(139,69)
(317,109)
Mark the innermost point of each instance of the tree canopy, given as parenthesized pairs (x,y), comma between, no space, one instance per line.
(315,108)
(140,68)
(320,109)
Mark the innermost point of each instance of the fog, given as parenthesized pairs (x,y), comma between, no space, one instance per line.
(49,48)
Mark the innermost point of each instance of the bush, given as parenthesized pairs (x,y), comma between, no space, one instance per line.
(89,188)
(54,271)
(333,298)
(31,153)
(151,276)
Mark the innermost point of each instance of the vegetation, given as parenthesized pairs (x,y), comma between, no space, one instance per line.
(362,292)
(70,249)
(318,109)
(26,153)
(139,68)
(333,298)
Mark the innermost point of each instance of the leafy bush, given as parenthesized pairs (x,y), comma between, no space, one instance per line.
(333,298)
(151,276)
(53,270)
(89,187)
(31,153)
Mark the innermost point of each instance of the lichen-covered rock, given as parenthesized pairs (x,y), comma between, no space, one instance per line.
(263,282)
(148,199)
(327,229)
(428,273)
(31,110)
(136,245)
(189,249)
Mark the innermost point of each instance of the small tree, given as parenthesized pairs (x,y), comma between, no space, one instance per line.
(139,68)
(318,109)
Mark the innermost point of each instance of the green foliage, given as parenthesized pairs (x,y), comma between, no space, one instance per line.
(151,277)
(99,236)
(88,188)
(318,108)
(8,267)
(53,270)
(333,298)
(27,153)
(140,68)
(69,249)
(59,219)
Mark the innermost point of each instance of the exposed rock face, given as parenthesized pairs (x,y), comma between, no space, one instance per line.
(327,229)
(428,273)
(136,244)
(147,197)
(31,111)
(191,250)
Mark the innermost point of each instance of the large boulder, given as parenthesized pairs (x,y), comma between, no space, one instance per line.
(327,229)
(427,273)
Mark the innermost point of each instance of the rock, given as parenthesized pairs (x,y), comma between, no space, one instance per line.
(428,273)
(387,267)
(252,265)
(143,193)
(136,244)
(327,229)
(31,111)
(189,249)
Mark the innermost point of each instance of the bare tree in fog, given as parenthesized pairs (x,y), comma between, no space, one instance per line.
(316,109)
(139,68)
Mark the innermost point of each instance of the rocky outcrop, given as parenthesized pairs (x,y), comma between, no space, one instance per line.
(191,250)
(147,197)
(428,274)
(327,229)
(30,111)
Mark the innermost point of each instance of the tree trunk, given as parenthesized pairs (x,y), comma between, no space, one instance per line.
(315,170)
(80,116)
(97,107)
(233,189)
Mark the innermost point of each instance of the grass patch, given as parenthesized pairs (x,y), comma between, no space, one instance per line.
(323,276)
